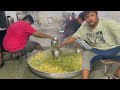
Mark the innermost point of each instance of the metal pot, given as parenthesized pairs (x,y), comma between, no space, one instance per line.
(55,53)
(54,42)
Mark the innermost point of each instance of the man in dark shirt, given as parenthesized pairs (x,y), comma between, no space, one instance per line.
(73,26)
(3,29)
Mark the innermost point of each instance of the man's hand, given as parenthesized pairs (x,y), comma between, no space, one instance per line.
(59,46)
(51,37)
(67,41)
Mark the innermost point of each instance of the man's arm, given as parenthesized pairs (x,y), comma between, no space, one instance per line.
(83,44)
(73,37)
(67,41)
(42,35)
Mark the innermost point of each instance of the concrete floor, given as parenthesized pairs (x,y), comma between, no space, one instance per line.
(15,70)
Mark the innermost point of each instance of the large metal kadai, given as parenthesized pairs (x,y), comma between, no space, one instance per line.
(67,65)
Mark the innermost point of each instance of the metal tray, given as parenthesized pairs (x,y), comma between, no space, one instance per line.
(55,75)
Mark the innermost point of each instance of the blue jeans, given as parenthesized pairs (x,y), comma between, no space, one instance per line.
(105,54)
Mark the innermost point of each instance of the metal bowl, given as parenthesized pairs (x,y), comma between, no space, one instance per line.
(55,75)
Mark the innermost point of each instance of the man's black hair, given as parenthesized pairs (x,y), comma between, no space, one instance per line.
(30,18)
(81,15)
(87,12)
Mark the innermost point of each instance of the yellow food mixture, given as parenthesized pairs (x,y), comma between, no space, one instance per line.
(67,62)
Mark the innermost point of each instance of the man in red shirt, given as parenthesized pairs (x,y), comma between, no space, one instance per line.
(17,36)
